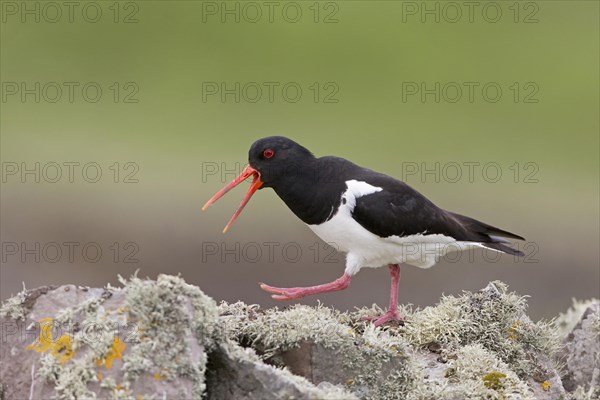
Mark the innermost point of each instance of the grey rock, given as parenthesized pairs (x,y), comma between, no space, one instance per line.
(237,373)
(146,340)
(165,339)
(581,353)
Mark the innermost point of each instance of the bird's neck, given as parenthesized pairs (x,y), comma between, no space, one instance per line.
(312,193)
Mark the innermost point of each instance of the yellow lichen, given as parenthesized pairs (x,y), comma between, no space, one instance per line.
(493,380)
(115,353)
(158,376)
(514,330)
(44,341)
(545,386)
(61,348)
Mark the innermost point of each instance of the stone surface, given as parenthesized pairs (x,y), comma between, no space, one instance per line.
(165,339)
(146,340)
(236,373)
(581,353)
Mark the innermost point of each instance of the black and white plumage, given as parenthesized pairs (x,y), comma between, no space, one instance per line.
(376,219)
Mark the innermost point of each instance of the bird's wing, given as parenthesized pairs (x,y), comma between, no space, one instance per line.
(399,210)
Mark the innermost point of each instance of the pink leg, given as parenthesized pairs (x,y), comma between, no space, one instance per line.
(392,312)
(299,292)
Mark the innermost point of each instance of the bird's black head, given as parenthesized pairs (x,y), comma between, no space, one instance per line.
(278,159)
(274,162)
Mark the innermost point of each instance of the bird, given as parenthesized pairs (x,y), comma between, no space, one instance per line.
(374,218)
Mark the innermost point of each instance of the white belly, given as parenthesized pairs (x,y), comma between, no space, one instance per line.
(366,249)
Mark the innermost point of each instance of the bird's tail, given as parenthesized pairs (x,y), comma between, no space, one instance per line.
(489,236)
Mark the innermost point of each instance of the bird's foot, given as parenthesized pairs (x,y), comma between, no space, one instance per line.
(390,315)
(299,292)
(284,293)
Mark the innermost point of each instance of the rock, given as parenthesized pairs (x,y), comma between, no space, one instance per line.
(167,339)
(581,354)
(237,373)
(319,344)
(145,340)
(71,341)
(478,345)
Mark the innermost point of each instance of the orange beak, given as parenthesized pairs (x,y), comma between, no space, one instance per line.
(254,186)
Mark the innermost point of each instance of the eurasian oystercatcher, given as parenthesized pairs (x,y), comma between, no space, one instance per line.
(374,218)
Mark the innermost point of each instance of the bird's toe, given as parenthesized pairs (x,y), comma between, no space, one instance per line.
(272,289)
(387,317)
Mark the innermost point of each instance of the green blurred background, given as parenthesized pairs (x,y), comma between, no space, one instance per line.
(165,54)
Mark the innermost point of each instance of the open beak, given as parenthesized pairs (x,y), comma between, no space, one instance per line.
(254,186)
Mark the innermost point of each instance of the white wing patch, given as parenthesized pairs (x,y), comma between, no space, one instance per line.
(355,190)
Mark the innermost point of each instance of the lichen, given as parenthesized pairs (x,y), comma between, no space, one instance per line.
(14,307)
(161,315)
(582,352)
(93,345)
(114,353)
(70,382)
(489,346)
(545,386)
(581,393)
(493,380)
(566,321)
(478,345)
(164,312)
(324,391)
(365,351)
(493,318)
(474,372)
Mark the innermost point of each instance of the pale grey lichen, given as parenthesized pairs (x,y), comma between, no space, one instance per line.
(478,334)
(493,318)
(165,312)
(91,345)
(582,393)
(478,345)
(278,330)
(173,325)
(566,321)
(581,353)
(288,380)
(14,307)
(473,372)
(365,354)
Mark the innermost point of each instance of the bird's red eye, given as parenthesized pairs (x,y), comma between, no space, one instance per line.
(268,153)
